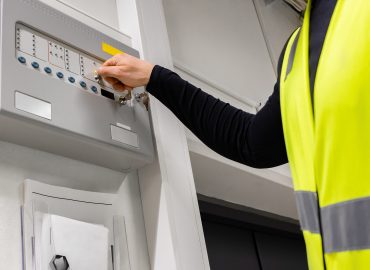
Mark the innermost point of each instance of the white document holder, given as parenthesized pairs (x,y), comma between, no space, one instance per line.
(74,227)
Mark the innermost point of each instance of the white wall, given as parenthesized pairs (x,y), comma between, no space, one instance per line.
(222,41)
(278,21)
(102,10)
(233,44)
(229,181)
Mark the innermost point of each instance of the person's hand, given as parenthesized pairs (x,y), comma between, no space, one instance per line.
(125,72)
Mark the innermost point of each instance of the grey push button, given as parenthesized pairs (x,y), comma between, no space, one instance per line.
(32,105)
(47,70)
(124,136)
(71,80)
(83,84)
(60,75)
(21,59)
(35,65)
(94,89)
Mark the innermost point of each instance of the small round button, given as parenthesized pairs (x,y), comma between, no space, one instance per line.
(21,59)
(94,89)
(71,80)
(35,65)
(83,84)
(47,70)
(60,75)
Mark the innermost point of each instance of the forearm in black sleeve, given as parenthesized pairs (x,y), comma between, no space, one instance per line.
(255,140)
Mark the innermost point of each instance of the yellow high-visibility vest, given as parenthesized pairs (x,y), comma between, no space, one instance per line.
(328,138)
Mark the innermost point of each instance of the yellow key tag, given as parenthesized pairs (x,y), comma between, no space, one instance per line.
(110,49)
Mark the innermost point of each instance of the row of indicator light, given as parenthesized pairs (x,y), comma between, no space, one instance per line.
(59,74)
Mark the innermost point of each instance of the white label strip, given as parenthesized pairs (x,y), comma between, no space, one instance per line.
(124,136)
(33,105)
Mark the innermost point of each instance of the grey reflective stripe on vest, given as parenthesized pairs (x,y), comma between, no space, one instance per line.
(346,226)
(308,211)
(292,54)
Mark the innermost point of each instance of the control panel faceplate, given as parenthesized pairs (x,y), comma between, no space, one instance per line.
(60,61)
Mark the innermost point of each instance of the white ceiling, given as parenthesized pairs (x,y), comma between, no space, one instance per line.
(268,190)
(219,180)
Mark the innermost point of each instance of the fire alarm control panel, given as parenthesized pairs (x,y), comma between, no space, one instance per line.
(50,97)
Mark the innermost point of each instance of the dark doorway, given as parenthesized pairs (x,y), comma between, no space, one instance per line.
(230,247)
(239,238)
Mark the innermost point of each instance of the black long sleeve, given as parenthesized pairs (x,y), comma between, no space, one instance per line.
(254,140)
